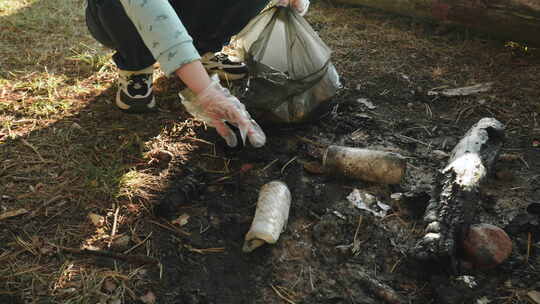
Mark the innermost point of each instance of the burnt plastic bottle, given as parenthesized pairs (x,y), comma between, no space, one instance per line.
(271,216)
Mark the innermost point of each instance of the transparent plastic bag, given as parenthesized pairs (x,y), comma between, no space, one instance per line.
(291,74)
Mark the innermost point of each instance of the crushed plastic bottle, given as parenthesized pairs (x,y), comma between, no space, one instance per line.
(271,216)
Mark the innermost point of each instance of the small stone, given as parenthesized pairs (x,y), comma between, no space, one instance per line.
(486,246)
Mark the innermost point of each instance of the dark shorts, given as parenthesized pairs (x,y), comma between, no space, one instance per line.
(210,23)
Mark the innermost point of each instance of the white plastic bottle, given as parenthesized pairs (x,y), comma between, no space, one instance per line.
(271,215)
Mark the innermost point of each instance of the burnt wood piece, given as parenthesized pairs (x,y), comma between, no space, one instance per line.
(359,277)
(456,194)
(514,20)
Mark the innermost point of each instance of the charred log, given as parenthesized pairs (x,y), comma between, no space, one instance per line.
(365,279)
(515,20)
(454,202)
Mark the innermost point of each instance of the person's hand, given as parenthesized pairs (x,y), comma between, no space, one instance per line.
(300,6)
(215,105)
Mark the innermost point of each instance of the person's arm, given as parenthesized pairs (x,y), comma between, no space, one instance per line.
(168,40)
(194,76)
(162,32)
(166,37)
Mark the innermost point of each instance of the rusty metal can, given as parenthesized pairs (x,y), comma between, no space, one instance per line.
(365,164)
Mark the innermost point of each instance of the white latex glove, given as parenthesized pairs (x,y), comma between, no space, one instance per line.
(300,6)
(215,105)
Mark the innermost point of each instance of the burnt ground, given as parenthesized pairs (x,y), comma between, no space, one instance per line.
(328,243)
(329,247)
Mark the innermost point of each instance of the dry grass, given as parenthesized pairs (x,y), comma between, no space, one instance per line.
(65,154)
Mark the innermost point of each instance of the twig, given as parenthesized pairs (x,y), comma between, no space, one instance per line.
(269,165)
(395,266)
(173,229)
(356,244)
(138,244)
(6,168)
(282,296)
(413,139)
(529,242)
(202,141)
(525,162)
(34,213)
(226,177)
(380,289)
(133,259)
(311,279)
(33,148)
(287,164)
(205,250)
(12,213)
(311,142)
(115,224)
(429,113)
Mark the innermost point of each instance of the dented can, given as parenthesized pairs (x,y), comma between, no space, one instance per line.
(365,164)
(271,215)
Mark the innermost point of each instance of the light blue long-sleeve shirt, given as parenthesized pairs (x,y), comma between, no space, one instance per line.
(162,32)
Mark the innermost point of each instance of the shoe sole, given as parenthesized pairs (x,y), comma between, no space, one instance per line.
(227,76)
(224,71)
(147,108)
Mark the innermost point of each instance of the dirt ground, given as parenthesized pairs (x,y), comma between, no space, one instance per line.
(120,167)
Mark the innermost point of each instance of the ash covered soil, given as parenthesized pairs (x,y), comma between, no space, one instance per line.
(331,250)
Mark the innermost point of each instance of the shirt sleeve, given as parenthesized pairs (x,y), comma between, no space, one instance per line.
(162,32)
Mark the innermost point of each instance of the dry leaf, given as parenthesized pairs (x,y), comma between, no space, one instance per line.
(182,220)
(96,219)
(148,298)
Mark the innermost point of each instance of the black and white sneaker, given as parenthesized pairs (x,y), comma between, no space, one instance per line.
(135,91)
(219,63)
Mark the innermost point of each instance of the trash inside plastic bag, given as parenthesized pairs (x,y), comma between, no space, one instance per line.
(291,74)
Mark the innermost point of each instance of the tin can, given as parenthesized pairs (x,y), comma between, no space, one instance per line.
(365,164)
